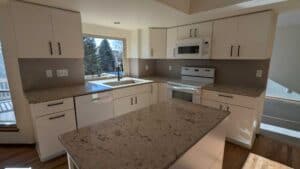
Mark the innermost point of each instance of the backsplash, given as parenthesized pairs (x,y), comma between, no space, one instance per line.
(230,72)
(33,73)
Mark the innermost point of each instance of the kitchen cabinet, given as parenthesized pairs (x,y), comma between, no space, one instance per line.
(201,30)
(163,92)
(44,32)
(244,37)
(153,43)
(154,93)
(244,118)
(171,42)
(94,108)
(51,119)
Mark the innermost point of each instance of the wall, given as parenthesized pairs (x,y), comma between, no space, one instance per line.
(21,107)
(182,5)
(30,75)
(286,57)
(231,72)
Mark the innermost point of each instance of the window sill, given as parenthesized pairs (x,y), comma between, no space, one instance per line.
(9,128)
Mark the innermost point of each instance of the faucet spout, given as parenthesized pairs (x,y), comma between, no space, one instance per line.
(119,73)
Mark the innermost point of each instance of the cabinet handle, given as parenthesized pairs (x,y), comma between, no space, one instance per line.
(50,48)
(151,52)
(55,104)
(231,50)
(227,96)
(191,33)
(131,101)
(135,100)
(239,50)
(195,32)
(59,48)
(56,117)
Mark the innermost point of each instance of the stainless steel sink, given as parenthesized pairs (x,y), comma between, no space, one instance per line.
(122,82)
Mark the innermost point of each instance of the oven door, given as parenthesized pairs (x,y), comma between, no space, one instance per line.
(184,93)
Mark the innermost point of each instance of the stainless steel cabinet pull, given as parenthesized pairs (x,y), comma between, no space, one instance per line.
(135,100)
(131,101)
(55,104)
(239,50)
(50,48)
(227,96)
(231,50)
(59,48)
(56,117)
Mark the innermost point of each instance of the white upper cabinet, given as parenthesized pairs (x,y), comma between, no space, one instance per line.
(67,33)
(43,32)
(171,42)
(244,37)
(33,30)
(200,30)
(153,43)
(185,32)
(203,30)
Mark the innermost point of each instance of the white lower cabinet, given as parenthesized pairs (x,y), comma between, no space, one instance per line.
(48,128)
(163,93)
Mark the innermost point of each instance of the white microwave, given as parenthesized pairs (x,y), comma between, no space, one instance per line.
(196,48)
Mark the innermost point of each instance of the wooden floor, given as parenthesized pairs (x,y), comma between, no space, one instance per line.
(234,157)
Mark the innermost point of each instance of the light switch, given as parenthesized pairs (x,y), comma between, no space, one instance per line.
(259,73)
(49,74)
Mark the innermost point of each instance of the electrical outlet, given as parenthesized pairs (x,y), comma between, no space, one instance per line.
(259,73)
(49,74)
(170,67)
(146,67)
(59,73)
(65,72)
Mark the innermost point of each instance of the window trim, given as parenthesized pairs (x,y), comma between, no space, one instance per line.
(95,77)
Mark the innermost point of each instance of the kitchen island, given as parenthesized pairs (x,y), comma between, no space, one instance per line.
(172,134)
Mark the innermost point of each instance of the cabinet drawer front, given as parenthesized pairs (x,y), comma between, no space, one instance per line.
(41,109)
(239,100)
(48,128)
(127,91)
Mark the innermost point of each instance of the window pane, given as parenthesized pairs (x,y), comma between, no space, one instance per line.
(102,56)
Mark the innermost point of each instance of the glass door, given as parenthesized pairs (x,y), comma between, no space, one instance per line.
(7,114)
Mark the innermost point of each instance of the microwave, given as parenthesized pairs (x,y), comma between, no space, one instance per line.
(196,48)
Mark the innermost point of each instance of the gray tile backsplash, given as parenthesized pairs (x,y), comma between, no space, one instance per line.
(33,73)
(231,72)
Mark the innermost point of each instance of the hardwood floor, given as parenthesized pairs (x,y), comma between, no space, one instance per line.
(234,157)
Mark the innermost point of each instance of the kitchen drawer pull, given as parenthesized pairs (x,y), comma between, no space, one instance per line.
(135,100)
(56,117)
(55,104)
(50,48)
(227,96)
(239,50)
(131,101)
(59,48)
(231,50)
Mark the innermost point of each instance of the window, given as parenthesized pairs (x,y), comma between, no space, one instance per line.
(102,56)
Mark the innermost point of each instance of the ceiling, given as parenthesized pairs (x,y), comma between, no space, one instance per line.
(134,14)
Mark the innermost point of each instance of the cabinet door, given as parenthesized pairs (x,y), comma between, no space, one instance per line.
(158,43)
(33,28)
(67,34)
(141,100)
(224,41)
(241,124)
(48,128)
(255,34)
(163,92)
(203,30)
(185,32)
(123,105)
(171,42)
(213,104)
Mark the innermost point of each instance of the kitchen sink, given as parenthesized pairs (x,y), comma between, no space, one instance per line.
(120,83)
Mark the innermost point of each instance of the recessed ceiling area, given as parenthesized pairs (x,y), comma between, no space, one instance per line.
(135,14)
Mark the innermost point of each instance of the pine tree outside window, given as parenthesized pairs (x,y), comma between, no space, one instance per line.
(102,56)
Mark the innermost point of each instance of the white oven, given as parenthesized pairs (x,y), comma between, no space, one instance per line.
(196,48)
(185,93)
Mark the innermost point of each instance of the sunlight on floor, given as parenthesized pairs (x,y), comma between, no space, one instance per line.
(280,130)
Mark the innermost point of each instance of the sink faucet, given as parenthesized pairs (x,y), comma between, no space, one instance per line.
(119,73)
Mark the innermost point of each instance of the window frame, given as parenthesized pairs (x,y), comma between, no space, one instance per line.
(96,77)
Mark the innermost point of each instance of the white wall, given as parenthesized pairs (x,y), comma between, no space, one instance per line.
(23,117)
(284,66)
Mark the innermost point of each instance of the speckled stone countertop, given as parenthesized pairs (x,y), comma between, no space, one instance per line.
(44,95)
(160,79)
(238,90)
(150,138)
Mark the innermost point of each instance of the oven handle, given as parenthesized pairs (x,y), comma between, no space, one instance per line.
(180,88)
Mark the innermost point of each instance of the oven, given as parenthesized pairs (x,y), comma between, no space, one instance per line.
(186,93)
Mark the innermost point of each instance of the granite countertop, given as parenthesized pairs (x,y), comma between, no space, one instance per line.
(44,95)
(149,138)
(238,90)
(160,79)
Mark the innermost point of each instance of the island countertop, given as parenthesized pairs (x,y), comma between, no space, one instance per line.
(149,138)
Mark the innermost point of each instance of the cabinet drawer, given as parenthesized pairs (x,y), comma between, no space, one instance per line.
(41,109)
(48,128)
(239,100)
(128,91)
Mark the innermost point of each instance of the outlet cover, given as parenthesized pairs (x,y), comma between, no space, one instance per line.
(259,73)
(65,72)
(49,74)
